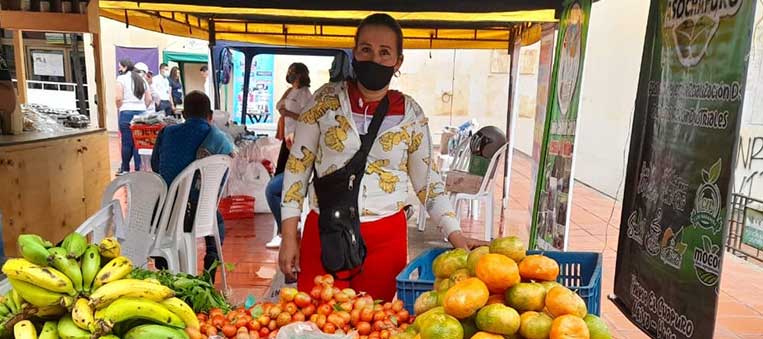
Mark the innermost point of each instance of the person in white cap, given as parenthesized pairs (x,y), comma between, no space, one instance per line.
(133,95)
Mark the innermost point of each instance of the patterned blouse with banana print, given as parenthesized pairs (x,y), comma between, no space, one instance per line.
(327,137)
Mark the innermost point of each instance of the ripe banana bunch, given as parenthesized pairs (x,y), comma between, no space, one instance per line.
(124,309)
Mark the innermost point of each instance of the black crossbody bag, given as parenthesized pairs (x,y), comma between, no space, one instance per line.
(342,245)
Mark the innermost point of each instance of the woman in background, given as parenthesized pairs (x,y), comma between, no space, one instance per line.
(133,97)
(176,86)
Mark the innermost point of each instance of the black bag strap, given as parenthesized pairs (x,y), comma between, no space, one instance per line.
(367,140)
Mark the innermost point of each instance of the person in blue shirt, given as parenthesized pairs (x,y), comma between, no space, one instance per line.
(177,146)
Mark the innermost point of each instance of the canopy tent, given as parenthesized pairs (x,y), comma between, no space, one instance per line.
(446,24)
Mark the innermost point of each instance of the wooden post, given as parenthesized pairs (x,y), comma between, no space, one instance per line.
(19,52)
(94,27)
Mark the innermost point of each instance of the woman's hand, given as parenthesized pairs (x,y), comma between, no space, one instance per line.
(288,255)
(459,240)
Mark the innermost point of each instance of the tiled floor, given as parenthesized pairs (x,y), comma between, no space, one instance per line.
(595,226)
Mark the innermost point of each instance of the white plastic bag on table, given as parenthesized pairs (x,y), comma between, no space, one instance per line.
(308,330)
(276,284)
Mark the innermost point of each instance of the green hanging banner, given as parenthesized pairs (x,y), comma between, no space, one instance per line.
(553,192)
(680,166)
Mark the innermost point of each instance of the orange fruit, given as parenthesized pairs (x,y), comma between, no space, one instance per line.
(442,326)
(534,325)
(486,335)
(538,267)
(499,319)
(460,275)
(474,257)
(550,284)
(498,272)
(447,263)
(496,299)
(561,301)
(465,298)
(526,297)
(569,327)
(425,302)
(511,247)
(469,326)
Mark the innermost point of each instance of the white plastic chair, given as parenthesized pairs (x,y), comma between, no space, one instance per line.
(103,223)
(172,242)
(486,193)
(146,193)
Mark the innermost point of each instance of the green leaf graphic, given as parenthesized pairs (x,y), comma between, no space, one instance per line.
(705,176)
(715,171)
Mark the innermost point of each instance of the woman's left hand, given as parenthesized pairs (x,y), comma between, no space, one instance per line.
(459,240)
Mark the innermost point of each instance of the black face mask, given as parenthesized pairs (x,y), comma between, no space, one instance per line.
(291,77)
(371,75)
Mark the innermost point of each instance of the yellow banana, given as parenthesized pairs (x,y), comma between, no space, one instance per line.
(130,308)
(39,296)
(130,288)
(51,312)
(91,264)
(67,329)
(24,330)
(182,310)
(110,248)
(49,330)
(116,269)
(153,281)
(16,298)
(44,277)
(83,315)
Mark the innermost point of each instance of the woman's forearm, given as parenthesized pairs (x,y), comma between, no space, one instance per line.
(289,228)
(289,114)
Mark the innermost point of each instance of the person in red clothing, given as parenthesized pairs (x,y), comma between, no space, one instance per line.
(329,134)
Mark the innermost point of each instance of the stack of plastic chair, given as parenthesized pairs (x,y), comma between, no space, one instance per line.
(172,242)
(486,193)
(145,195)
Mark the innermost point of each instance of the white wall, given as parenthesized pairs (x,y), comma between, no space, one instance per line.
(527,90)
(118,35)
(610,76)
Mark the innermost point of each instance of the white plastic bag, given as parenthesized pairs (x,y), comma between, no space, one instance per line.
(274,291)
(308,330)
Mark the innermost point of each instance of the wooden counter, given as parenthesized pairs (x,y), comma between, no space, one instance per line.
(51,182)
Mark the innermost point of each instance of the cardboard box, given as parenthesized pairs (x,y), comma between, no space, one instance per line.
(445,140)
(462,182)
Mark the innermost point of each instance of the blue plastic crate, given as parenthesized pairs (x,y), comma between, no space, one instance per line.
(578,271)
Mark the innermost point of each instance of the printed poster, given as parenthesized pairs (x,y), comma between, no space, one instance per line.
(550,222)
(260,95)
(680,166)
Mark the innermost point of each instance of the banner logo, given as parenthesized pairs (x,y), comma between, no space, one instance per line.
(707,203)
(672,252)
(693,23)
(707,262)
(569,60)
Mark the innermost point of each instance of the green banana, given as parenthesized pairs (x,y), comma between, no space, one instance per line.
(33,249)
(75,244)
(182,310)
(110,336)
(155,331)
(116,269)
(130,288)
(110,248)
(67,329)
(8,302)
(38,296)
(49,330)
(4,310)
(39,239)
(45,277)
(69,267)
(18,301)
(82,314)
(24,330)
(130,308)
(91,264)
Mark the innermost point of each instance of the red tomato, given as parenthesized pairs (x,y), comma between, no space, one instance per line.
(378,325)
(210,330)
(215,311)
(384,334)
(336,320)
(273,334)
(367,314)
(346,306)
(297,317)
(359,304)
(379,315)
(283,319)
(302,299)
(364,328)
(229,330)
(321,320)
(402,316)
(264,332)
(354,317)
(218,321)
(314,318)
(231,315)
(318,280)
(397,305)
(254,334)
(264,320)
(387,306)
(240,322)
(275,311)
(272,325)
(329,328)
(374,335)
(309,310)
(328,279)
(340,296)
(315,293)
(253,325)
(288,293)
(325,309)
(350,293)
(345,316)
(327,294)
(202,317)
(378,307)
(291,308)
(404,327)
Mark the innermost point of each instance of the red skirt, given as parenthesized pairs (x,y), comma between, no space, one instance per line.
(387,254)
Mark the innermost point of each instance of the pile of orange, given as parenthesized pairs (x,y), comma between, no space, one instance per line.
(498,291)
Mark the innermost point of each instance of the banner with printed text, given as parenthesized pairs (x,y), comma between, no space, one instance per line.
(680,166)
(553,190)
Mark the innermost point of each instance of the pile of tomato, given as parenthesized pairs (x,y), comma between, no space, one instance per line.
(331,309)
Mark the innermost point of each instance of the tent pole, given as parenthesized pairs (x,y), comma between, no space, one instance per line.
(249,58)
(514,35)
(215,77)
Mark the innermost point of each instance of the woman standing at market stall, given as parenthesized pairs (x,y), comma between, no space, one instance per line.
(133,97)
(291,105)
(176,86)
(329,138)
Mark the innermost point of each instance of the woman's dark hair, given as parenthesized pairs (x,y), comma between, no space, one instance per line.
(303,74)
(382,19)
(138,83)
(127,64)
(175,73)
